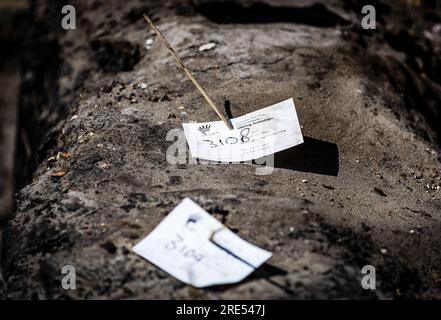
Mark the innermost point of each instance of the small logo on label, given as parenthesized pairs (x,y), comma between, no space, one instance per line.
(193,218)
(204,129)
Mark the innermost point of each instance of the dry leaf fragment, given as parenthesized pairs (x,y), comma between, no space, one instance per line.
(59,173)
(66,155)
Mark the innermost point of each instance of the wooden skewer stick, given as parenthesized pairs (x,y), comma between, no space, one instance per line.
(187,71)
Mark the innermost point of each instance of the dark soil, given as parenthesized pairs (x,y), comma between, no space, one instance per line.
(363,189)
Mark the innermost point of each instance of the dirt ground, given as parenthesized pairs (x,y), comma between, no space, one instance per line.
(364,188)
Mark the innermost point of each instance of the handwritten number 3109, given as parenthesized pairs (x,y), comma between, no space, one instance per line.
(178,245)
(231,140)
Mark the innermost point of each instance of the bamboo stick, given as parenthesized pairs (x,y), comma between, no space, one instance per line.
(187,72)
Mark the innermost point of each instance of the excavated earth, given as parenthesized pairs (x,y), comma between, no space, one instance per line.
(364,188)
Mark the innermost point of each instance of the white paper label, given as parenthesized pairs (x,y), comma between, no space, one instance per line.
(255,135)
(197,249)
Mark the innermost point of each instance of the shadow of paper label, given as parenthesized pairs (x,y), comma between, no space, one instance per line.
(315,156)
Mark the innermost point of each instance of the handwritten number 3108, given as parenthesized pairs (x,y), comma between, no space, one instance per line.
(231,140)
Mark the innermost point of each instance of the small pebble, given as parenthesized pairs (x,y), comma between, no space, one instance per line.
(207,46)
(383,251)
(304,180)
(148,43)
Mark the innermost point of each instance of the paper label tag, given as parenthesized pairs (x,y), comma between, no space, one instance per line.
(255,135)
(197,249)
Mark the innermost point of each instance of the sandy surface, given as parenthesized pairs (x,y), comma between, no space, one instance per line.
(368,103)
